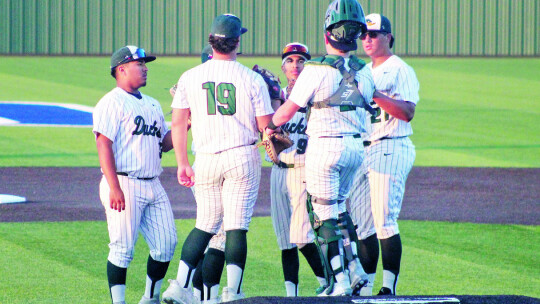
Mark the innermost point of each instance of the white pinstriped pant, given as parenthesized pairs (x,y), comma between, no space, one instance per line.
(379,187)
(331,164)
(218,240)
(226,188)
(288,207)
(148,209)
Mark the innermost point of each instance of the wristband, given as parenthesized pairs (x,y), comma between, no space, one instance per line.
(271,125)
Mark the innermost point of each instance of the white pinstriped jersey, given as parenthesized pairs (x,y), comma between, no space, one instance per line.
(318,82)
(288,188)
(136,128)
(213,91)
(395,79)
(297,133)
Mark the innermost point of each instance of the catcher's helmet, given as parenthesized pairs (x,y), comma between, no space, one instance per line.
(344,22)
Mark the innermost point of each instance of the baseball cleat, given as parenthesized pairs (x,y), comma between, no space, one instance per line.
(145,300)
(365,291)
(385,291)
(340,289)
(178,295)
(358,277)
(228,295)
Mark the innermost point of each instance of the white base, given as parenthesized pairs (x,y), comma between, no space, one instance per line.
(10,199)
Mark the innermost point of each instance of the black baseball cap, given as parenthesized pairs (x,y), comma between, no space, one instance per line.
(127,54)
(227,26)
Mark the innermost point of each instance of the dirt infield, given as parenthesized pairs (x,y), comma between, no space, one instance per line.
(479,195)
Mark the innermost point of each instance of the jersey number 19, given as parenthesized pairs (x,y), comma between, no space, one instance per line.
(226,98)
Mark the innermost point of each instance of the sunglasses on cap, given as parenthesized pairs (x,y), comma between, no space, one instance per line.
(295,47)
(139,53)
(371,35)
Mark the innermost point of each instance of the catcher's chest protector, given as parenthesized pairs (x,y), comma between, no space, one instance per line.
(347,93)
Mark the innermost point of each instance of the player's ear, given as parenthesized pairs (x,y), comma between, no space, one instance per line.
(121,69)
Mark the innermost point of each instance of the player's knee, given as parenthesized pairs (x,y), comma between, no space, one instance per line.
(329,230)
(301,245)
(165,249)
(387,231)
(121,258)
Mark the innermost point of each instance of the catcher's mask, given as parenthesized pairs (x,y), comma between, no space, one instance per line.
(344,23)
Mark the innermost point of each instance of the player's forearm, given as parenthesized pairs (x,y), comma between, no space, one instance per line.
(167,143)
(262,121)
(399,109)
(285,113)
(179,136)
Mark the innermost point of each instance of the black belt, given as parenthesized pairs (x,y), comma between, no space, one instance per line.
(340,136)
(284,165)
(367,143)
(139,178)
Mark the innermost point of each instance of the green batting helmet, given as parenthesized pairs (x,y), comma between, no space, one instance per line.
(344,22)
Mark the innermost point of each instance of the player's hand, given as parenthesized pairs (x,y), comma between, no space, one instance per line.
(270,131)
(117,200)
(186,176)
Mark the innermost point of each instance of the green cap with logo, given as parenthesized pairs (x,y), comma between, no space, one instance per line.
(227,26)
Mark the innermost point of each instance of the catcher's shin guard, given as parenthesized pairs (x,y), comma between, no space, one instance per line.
(326,233)
(350,238)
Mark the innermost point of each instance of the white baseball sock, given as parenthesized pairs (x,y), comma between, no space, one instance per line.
(291,288)
(390,280)
(118,293)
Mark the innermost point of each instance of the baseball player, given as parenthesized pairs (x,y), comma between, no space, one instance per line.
(229,105)
(206,286)
(335,150)
(130,135)
(288,185)
(380,182)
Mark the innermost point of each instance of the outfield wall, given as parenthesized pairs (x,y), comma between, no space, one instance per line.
(174,27)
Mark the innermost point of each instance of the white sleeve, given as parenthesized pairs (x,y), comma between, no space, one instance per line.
(180,97)
(106,117)
(305,87)
(366,85)
(407,85)
(261,98)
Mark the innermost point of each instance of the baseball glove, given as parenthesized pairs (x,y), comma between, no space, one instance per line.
(272,81)
(274,144)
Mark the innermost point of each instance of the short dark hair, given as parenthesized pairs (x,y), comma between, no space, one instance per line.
(113,72)
(223,45)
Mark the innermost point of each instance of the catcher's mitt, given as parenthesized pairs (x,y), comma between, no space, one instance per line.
(274,144)
(272,81)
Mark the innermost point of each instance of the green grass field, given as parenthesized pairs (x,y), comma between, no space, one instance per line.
(65,262)
(473,112)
